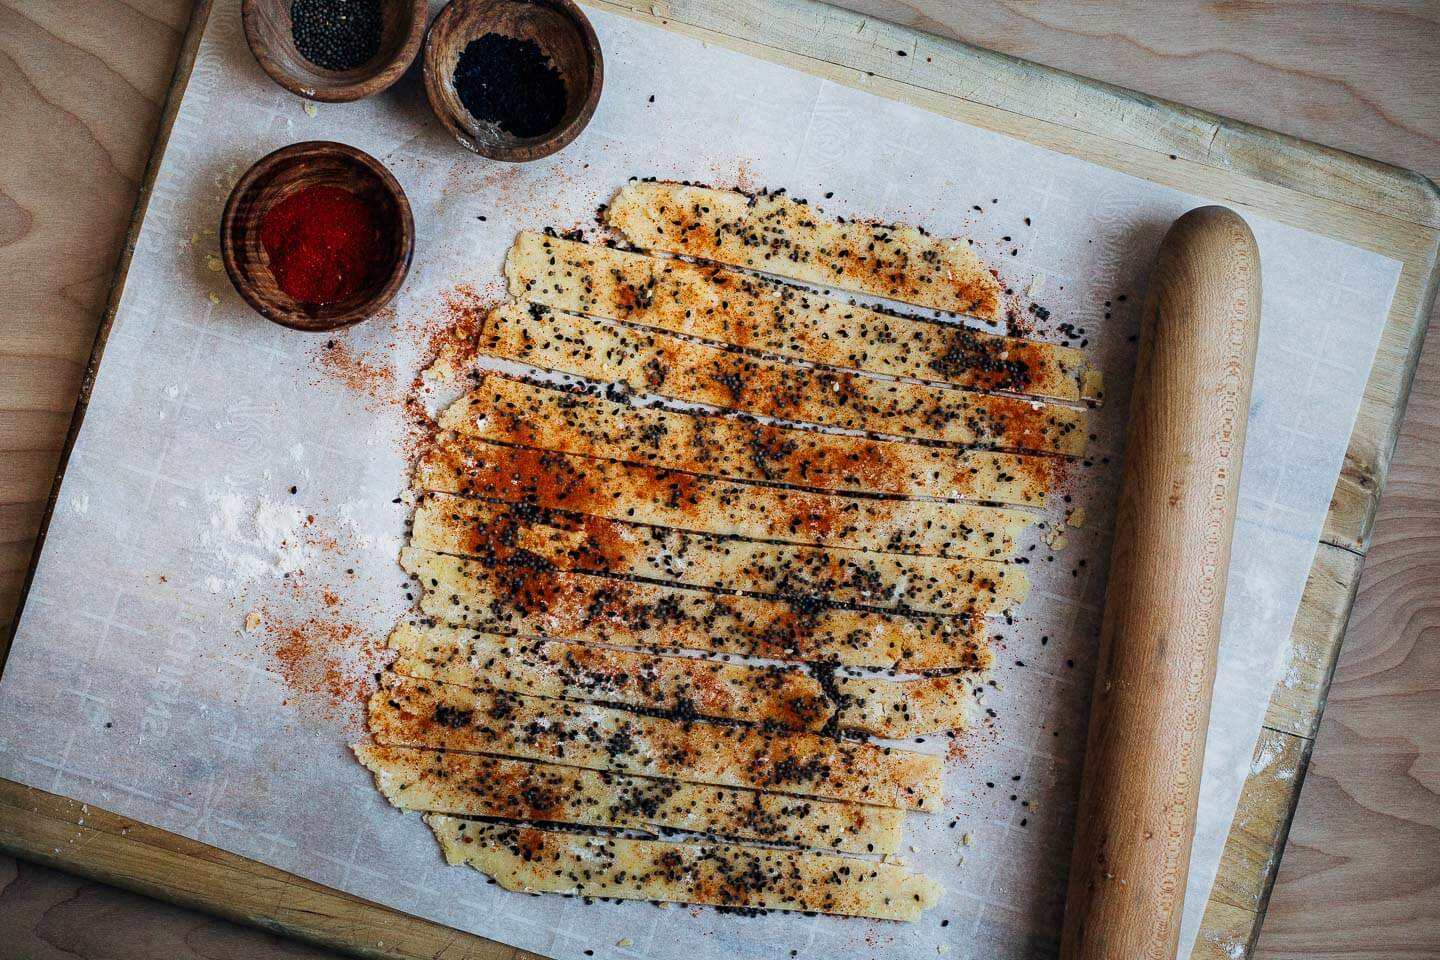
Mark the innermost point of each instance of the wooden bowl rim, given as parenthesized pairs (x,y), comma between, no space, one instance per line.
(357,89)
(536,149)
(265,166)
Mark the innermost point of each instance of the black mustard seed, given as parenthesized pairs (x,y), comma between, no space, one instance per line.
(510,83)
(336,34)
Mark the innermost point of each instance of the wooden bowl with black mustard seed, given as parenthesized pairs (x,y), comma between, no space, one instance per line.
(513,79)
(334,50)
(317,236)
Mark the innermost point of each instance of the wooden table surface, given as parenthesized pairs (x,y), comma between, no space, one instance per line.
(81,86)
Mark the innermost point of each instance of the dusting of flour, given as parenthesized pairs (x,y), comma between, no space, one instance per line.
(249,538)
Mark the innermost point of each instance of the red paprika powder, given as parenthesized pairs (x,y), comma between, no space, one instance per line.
(322,242)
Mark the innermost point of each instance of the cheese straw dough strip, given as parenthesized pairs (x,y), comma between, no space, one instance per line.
(514,412)
(906,708)
(667,366)
(756,313)
(777,234)
(602,609)
(422,713)
(668,498)
(441,781)
(782,696)
(518,534)
(720,874)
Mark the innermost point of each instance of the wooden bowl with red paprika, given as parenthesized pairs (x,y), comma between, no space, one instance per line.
(317,236)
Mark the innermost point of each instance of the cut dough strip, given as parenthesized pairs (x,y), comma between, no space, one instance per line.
(521,413)
(783,696)
(720,874)
(684,501)
(663,365)
(789,238)
(602,609)
(519,534)
(756,313)
(906,708)
(439,781)
(422,713)
(777,697)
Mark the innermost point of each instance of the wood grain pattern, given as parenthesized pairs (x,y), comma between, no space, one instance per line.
(1358,76)
(1361,874)
(1199,328)
(65,201)
(48,914)
(93,76)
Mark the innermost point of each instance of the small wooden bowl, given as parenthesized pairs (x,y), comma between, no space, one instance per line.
(563,33)
(277,176)
(268,30)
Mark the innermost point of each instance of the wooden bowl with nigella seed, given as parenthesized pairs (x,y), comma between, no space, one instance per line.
(334,51)
(513,80)
(388,233)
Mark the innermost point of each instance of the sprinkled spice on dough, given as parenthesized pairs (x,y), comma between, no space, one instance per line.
(633,617)
(758,313)
(537,602)
(514,412)
(653,495)
(777,234)
(641,361)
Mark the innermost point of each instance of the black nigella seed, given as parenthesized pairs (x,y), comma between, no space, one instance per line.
(512,84)
(336,34)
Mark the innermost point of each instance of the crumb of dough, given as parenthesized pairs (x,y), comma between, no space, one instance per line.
(1077,517)
(967,839)
(252,621)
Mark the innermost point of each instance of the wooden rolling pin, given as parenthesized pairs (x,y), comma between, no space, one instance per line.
(1166,592)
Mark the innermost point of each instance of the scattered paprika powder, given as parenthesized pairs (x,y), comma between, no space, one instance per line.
(323,243)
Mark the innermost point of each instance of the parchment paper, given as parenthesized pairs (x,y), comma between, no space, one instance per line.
(133,683)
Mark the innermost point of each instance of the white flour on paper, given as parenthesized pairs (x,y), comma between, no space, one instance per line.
(254,538)
(134,685)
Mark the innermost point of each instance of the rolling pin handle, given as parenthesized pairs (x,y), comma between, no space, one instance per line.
(1166,591)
